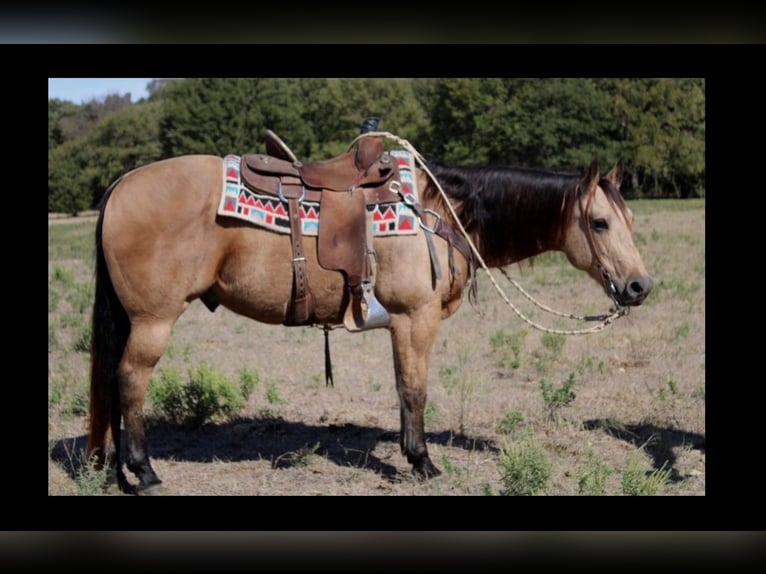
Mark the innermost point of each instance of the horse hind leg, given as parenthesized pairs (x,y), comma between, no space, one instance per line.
(145,346)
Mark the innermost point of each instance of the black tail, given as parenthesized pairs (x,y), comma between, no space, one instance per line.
(109,336)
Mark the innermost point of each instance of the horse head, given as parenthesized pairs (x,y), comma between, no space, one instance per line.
(598,238)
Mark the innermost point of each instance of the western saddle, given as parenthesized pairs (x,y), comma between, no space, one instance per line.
(343,186)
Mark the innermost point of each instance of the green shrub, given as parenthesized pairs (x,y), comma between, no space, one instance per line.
(248,380)
(272,394)
(591,478)
(90,479)
(525,469)
(556,399)
(208,396)
(508,347)
(554,343)
(463,379)
(553,346)
(638,482)
(511,422)
(167,394)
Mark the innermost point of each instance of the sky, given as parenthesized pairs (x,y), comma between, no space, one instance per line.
(79,90)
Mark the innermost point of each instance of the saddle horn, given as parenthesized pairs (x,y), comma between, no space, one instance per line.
(370,124)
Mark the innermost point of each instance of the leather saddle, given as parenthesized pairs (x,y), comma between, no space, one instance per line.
(343,186)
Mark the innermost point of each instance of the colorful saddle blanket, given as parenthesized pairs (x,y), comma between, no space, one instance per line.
(271,213)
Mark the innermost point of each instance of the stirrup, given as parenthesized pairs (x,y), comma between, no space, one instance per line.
(365,313)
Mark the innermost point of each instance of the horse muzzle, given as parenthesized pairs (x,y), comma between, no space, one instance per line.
(630,293)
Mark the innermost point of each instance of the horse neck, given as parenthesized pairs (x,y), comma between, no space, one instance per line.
(510,214)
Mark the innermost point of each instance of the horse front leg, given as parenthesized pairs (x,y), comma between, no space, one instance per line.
(413,337)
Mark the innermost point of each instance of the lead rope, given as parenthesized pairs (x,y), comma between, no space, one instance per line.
(605,319)
(327,362)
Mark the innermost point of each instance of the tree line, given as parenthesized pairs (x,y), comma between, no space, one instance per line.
(656,126)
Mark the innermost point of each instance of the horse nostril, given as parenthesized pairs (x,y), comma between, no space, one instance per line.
(640,287)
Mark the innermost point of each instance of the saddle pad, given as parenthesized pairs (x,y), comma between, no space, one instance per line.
(271,213)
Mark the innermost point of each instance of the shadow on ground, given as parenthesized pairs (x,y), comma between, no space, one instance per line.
(282,442)
(658,442)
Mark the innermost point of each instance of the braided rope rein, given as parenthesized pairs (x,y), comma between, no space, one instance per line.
(604,319)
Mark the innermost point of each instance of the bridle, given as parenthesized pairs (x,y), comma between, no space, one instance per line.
(606,279)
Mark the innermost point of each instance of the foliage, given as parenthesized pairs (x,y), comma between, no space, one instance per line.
(464,380)
(525,469)
(656,126)
(210,116)
(248,380)
(637,482)
(207,396)
(69,178)
(90,478)
(556,399)
(508,347)
(58,110)
(80,170)
(554,343)
(272,394)
(663,123)
(591,478)
(553,346)
(511,422)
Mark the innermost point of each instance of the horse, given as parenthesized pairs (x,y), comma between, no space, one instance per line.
(161,244)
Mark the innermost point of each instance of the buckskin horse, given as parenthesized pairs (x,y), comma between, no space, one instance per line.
(163,240)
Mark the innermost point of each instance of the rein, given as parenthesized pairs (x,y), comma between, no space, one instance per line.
(608,282)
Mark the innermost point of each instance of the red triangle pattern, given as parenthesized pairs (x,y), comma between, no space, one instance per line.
(405,224)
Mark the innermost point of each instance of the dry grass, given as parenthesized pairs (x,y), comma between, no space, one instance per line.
(639,385)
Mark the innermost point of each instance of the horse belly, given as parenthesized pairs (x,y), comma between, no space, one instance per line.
(256,278)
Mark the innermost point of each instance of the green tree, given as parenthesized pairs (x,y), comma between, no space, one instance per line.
(557,123)
(316,117)
(663,125)
(211,116)
(79,171)
(463,114)
(70,176)
(123,141)
(290,108)
(84,118)
(57,110)
(656,126)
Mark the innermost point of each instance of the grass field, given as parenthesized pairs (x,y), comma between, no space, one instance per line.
(511,410)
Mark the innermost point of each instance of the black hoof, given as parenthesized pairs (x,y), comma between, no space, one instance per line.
(425,469)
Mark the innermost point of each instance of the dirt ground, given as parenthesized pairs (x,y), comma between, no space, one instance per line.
(639,385)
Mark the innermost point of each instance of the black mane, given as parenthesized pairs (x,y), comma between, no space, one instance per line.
(512,213)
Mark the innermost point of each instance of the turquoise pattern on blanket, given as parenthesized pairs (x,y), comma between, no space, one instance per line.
(271,213)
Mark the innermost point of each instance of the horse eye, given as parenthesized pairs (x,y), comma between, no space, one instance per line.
(599,224)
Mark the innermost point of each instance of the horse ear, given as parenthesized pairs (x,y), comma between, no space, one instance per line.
(615,175)
(589,183)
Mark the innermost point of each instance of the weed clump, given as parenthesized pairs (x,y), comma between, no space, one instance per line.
(207,396)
